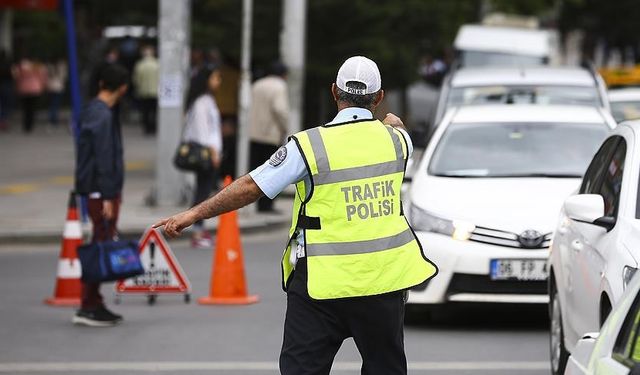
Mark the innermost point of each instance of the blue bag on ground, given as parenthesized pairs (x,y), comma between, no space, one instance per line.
(109,261)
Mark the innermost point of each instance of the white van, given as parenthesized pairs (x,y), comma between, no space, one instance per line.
(480,45)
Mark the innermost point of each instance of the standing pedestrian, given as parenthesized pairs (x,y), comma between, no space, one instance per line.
(351,255)
(100,177)
(31,79)
(56,82)
(6,89)
(145,80)
(268,119)
(203,126)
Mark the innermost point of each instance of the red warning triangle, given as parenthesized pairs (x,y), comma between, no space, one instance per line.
(163,273)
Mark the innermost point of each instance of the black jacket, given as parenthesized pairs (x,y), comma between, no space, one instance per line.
(99,156)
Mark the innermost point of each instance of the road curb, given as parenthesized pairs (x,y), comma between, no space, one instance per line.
(250,226)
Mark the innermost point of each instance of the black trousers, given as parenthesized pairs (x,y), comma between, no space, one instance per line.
(148,108)
(29,105)
(206,182)
(314,330)
(259,153)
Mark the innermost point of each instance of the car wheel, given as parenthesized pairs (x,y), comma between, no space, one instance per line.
(559,354)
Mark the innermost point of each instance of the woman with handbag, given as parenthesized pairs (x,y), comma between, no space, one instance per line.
(203,127)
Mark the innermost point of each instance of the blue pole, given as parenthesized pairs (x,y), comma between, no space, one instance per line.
(74,79)
(74,82)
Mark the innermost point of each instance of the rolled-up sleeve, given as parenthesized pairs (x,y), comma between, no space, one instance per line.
(279,172)
(409,142)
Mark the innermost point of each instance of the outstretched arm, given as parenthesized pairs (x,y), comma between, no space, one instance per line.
(239,194)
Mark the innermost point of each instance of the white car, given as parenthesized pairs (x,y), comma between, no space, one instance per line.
(625,104)
(596,246)
(615,350)
(485,197)
(534,85)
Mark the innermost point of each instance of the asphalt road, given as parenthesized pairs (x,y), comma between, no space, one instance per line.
(172,337)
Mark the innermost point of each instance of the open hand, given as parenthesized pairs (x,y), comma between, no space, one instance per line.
(174,225)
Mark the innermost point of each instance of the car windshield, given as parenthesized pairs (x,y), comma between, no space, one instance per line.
(580,95)
(516,149)
(477,58)
(623,111)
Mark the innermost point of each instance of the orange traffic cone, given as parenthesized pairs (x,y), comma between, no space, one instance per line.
(228,284)
(68,288)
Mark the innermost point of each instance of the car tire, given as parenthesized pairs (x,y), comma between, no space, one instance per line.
(558,353)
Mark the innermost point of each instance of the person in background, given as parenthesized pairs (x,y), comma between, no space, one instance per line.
(57,78)
(145,80)
(6,89)
(31,79)
(100,176)
(269,119)
(203,126)
(197,62)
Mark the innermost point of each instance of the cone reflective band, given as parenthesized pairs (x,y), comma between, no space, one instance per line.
(68,287)
(228,283)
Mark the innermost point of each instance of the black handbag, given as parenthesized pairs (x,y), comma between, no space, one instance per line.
(109,261)
(192,156)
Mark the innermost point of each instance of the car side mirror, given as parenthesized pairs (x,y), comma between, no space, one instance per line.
(588,208)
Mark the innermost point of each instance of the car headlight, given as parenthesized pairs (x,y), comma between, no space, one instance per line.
(424,221)
(627,275)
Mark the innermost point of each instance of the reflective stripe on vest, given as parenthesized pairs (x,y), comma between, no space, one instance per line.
(328,176)
(363,245)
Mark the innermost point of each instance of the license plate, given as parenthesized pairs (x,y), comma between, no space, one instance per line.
(519,269)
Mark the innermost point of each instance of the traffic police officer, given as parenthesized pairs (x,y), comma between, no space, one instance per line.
(351,254)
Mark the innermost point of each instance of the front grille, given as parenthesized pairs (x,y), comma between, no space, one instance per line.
(504,238)
(466,283)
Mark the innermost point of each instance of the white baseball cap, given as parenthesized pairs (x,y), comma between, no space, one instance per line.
(359,69)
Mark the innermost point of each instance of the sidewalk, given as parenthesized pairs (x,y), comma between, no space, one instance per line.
(37,175)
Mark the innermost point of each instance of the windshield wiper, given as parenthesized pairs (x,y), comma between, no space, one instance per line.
(548,175)
(526,175)
(455,175)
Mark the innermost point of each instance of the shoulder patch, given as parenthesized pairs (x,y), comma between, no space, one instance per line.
(278,157)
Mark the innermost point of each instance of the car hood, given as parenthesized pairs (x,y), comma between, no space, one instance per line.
(511,204)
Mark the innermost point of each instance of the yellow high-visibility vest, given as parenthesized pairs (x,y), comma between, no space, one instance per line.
(357,240)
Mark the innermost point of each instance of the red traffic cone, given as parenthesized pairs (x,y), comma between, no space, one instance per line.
(68,287)
(228,284)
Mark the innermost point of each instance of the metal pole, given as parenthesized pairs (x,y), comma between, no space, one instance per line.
(6,29)
(242,155)
(174,32)
(292,51)
(74,80)
(74,85)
